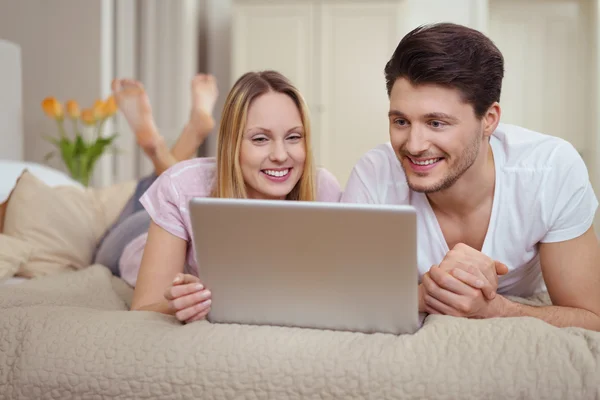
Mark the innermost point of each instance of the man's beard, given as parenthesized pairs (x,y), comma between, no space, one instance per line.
(464,162)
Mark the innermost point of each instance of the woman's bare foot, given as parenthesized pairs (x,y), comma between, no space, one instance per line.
(204,96)
(133,102)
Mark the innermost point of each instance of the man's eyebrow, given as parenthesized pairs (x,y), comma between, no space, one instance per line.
(396,113)
(432,115)
(440,115)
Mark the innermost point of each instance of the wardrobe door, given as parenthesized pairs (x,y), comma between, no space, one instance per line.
(277,36)
(548,51)
(357,39)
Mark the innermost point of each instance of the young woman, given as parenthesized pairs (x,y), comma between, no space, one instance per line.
(263,152)
(133,102)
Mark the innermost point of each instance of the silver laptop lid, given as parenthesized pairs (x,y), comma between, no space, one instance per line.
(308,264)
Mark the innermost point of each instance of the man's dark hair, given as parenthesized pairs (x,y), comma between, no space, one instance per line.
(453,56)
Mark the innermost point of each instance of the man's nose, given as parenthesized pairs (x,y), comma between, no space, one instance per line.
(417,141)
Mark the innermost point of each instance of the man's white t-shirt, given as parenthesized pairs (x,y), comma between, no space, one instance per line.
(542,194)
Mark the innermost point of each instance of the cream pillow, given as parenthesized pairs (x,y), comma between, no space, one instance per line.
(111,200)
(59,226)
(13,253)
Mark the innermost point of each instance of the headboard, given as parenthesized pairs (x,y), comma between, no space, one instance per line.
(11,102)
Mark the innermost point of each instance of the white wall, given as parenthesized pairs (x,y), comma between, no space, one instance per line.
(66,50)
(11,102)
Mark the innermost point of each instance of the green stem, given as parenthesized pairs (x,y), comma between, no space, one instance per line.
(99,128)
(75,127)
(84,171)
(61,128)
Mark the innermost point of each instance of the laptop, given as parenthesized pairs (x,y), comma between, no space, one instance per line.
(334,266)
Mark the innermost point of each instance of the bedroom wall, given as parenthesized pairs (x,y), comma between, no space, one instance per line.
(11,102)
(66,53)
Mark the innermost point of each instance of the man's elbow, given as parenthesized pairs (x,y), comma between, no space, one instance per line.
(591,319)
(595,321)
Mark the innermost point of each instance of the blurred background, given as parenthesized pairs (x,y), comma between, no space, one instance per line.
(333,50)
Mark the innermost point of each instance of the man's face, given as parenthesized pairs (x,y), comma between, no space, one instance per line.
(436,136)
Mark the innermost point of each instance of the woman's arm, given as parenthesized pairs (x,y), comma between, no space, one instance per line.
(164,258)
(162,287)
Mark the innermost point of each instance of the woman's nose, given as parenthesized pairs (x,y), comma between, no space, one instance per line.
(278,152)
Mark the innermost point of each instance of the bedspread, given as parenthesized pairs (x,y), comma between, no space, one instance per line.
(70,336)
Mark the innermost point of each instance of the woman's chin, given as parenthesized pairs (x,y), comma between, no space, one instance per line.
(275,194)
(277,191)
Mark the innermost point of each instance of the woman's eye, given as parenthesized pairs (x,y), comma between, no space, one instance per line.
(294,137)
(259,139)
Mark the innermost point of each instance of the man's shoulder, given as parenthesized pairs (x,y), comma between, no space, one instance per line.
(380,158)
(526,150)
(536,168)
(377,178)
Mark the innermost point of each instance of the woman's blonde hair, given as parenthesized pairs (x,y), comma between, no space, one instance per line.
(229,182)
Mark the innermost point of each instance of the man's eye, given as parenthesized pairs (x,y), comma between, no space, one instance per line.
(437,124)
(400,122)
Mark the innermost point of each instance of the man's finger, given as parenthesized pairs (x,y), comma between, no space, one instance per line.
(475,278)
(446,281)
(488,274)
(501,269)
(472,277)
(434,290)
(434,306)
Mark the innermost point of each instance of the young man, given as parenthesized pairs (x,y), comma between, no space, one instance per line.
(491,199)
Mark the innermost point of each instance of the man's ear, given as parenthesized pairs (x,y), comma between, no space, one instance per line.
(491,119)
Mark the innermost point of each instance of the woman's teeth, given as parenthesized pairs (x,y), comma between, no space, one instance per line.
(426,162)
(276,173)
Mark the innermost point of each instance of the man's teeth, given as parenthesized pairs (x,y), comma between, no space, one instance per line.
(426,162)
(276,173)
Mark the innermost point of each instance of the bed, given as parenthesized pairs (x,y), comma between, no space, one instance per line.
(70,336)
(66,332)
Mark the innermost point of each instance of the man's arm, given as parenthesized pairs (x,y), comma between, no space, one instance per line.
(571,270)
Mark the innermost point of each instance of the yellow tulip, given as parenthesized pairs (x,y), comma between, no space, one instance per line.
(73,109)
(110,107)
(88,116)
(53,108)
(98,109)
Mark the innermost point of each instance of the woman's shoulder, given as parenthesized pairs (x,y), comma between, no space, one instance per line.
(328,186)
(192,166)
(195,176)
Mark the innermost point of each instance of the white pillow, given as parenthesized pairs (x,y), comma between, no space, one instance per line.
(11,170)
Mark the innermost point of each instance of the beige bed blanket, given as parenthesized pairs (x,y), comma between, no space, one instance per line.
(70,336)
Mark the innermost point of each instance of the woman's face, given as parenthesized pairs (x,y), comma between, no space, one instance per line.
(273,151)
